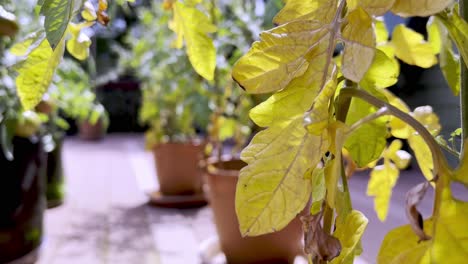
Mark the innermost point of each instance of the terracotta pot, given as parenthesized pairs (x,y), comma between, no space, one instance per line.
(22,201)
(177,167)
(88,131)
(279,247)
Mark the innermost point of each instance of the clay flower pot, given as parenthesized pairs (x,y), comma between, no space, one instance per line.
(279,247)
(22,201)
(88,131)
(177,167)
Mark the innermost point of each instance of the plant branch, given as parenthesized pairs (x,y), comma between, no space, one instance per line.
(440,162)
(464,83)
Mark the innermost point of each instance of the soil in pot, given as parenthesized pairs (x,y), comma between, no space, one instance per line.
(177,167)
(22,200)
(279,247)
(54,175)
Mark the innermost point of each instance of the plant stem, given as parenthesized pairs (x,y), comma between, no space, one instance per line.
(464,83)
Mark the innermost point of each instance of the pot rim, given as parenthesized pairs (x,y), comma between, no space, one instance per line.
(192,142)
(211,168)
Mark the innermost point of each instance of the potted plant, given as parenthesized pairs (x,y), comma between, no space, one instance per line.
(326,109)
(175,107)
(237,25)
(21,157)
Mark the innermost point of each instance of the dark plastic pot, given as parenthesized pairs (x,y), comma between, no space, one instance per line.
(88,131)
(22,200)
(54,174)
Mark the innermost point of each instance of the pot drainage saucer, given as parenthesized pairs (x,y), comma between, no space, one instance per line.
(177,201)
(210,253)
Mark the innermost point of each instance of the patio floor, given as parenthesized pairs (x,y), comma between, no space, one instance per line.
(106,218)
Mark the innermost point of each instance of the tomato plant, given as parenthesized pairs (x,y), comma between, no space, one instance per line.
(329,114)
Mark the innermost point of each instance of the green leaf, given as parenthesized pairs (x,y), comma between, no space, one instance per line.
(409,8)
(192,26)
(411,47)
(349,233)
(58,14)
(36,72)
(366,143)
(318,190)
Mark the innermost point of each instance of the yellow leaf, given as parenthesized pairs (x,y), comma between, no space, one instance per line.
(458,29)
(349,233)
(399,157)
(411,48)
(359,38)
(317,119)
(402,246)
(381,31)
(318,190)
(398,128)
(409,8)
(383,72)
(192,26)
(383,179)
(450,243)
(277,158)
(434,34)
(423,155)
(319,10)
(24,47)
(426,116)
(461,173)
(36,72)
(281,64)
(373,7)
(89,12)
(79,43)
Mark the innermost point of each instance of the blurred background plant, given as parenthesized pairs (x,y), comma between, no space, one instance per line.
(175,102)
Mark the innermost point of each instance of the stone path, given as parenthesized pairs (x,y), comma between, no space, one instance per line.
(106,219)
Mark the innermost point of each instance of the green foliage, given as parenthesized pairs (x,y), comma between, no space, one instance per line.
(322,104)
(175,100)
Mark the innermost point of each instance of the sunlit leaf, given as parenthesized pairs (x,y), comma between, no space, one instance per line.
(349,233)
(193,26)
(58,13)
(372,7)
(409,8)
(383,179)
(402,246)
(320,10)
(36,72)
(278,159)
(359,38)
(449,59)
(411,48)
(381,32)
(458,29)
(318,190)
(89,12)
(79,43)
(383,72)
(367,142)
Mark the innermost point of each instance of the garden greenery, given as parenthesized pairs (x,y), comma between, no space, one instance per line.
(324,110)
